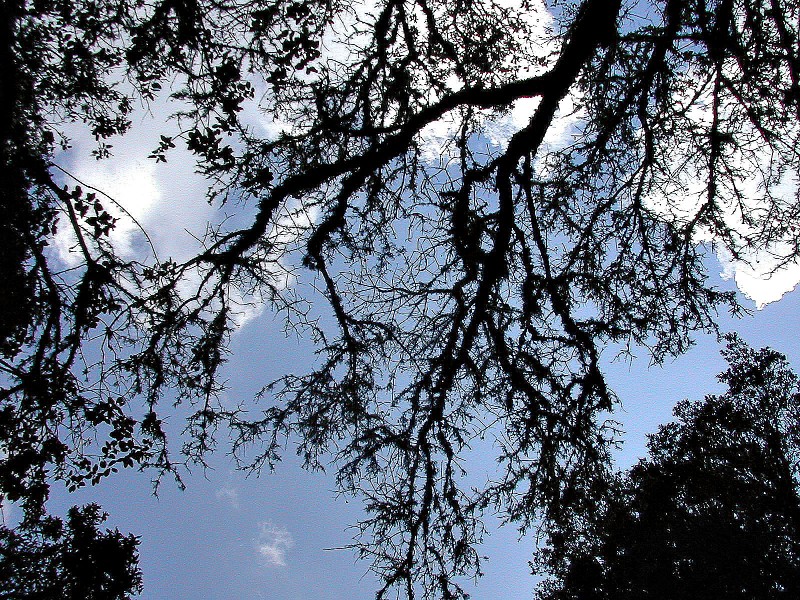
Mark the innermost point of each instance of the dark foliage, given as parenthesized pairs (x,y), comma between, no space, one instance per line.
(50,560)
(467,297)
(713,512)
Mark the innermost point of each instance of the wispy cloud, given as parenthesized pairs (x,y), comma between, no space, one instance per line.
(273,543)
(229,494)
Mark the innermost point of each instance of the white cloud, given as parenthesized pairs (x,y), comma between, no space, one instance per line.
(763,278)
(168,200)
(129,191)
(273,543)
(767,273)
(763,272)
(10,512)
(437,139)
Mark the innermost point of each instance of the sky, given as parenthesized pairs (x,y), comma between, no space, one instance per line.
(284,534)
(231,537)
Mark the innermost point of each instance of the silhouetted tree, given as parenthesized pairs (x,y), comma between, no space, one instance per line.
(713,512)
(467,296)
(50,560)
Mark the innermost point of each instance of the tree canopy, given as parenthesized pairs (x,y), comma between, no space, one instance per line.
(713,512)
(454,298)
(48,560)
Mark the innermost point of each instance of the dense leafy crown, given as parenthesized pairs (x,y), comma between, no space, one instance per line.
(713,512)
(50,560)
(468,295)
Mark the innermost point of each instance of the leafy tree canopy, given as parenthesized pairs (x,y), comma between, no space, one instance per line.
(713,512)
(49,560)
(452,299)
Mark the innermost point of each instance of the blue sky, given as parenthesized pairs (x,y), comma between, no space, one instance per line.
(228,536)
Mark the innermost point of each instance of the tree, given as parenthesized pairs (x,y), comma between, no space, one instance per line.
(46,560)
(713,512)
(467,297)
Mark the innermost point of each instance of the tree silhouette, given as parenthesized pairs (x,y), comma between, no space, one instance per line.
(48,560)
(452,299)
(713,512)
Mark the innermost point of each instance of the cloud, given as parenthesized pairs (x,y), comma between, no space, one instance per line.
(159,207)
(273,543)
(764,278)
(229,494)
(167,200)
(129,191)
(10,513)
(766,273)
(437,139)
